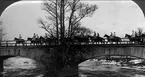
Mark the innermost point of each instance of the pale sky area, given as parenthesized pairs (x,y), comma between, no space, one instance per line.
(111,16)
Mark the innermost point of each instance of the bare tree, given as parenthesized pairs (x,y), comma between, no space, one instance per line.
(77,29)
(139,31)
(63,21)
(1,31)
(64,16)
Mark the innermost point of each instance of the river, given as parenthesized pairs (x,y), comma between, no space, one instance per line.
(110,68)
(22,67)
(25,67)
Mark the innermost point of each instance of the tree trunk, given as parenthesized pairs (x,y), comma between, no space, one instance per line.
(57,36)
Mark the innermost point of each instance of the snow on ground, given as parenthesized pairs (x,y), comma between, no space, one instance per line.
(19,62)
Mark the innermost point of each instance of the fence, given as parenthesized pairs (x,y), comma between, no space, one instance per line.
(28,43)
(12,43)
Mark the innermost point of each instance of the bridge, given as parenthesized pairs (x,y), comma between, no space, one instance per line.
(9,48)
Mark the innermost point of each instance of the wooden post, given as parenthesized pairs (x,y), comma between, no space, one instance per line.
(25,43)
(0,42)
(7,43)
(1,65)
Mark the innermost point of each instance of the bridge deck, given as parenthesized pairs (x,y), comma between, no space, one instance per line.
(12,43)
(104,45)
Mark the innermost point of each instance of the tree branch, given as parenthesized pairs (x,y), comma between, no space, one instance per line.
(44,27)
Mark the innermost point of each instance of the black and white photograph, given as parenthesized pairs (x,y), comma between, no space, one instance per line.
(72,38)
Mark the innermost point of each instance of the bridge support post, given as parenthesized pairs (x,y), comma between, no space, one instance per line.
(1,66)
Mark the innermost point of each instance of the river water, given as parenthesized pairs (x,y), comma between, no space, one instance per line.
(25,67)
(111,68)
(22,67)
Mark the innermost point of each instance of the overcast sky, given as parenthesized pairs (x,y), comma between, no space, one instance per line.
(111,16)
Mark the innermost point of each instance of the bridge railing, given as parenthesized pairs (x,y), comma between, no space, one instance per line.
(28,43)
(13,43)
